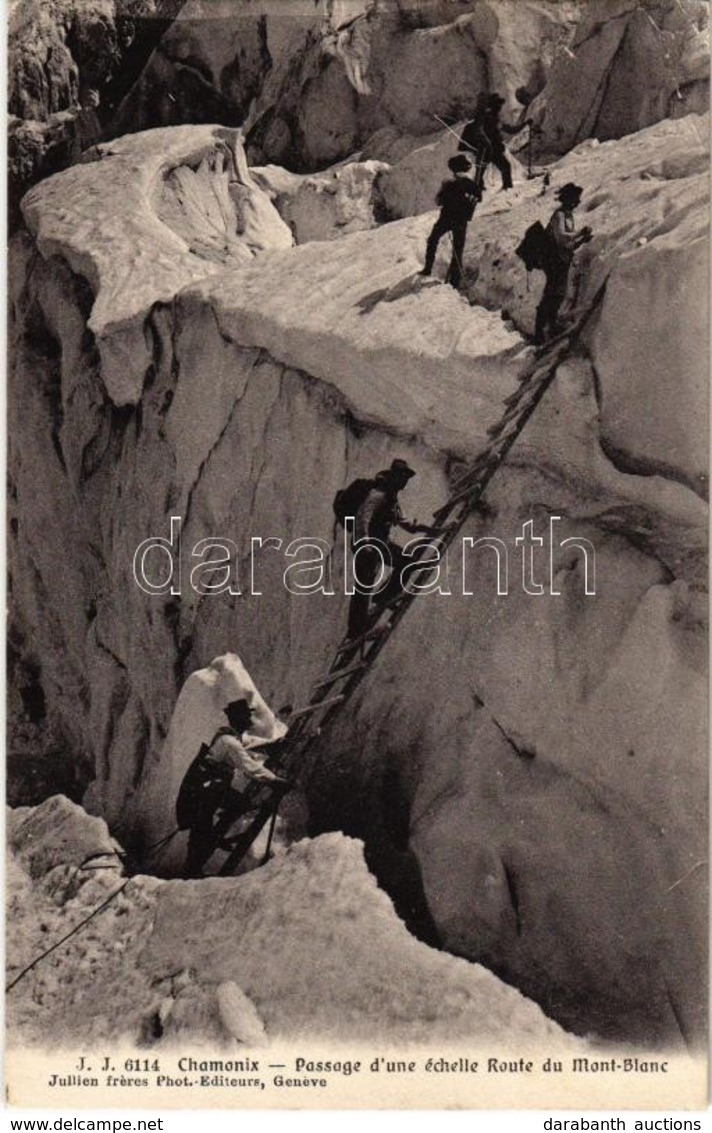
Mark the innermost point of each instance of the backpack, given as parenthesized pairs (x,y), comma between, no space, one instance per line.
(535,249)
(348,500)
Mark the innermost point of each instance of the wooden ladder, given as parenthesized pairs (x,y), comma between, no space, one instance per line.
(354,658)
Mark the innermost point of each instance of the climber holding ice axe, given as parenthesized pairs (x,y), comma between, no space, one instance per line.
(482,135)
(473,145)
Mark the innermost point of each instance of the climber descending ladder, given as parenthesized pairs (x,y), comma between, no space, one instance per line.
(355,657)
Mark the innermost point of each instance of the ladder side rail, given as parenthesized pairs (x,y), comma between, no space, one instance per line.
(245,840)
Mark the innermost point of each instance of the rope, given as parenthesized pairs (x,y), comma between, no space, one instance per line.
(481,158)
(453,132)
(122,854)
(95,912)
(161,842)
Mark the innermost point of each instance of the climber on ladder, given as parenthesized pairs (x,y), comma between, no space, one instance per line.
(377,512)
(224,782)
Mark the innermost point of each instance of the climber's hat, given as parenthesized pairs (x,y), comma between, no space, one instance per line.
(460,163)
(240,711)
(399,470)
(569,193)
(496,101)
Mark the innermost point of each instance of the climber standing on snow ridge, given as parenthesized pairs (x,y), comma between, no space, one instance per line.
(563,241)
(457,199)
(483,137)
(214,792)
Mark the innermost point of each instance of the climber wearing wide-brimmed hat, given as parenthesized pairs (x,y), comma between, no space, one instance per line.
(569,194)
(378,512)
(224,781)
(457,198)
(483,138)
(563,242)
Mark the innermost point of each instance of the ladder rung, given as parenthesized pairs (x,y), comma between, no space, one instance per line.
(351,643)
(440,533)
(506,428)
(446,510)
(477,468)
(330,680)
(465,493)
(474,467)
(315,707)
(520,394)
(513,400)
(495,451)
(518,407)
(467,481)
(461,493)
(399,598)
(244,841)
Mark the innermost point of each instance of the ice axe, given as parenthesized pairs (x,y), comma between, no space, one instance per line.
(479,164)
(453,132)
(273,822)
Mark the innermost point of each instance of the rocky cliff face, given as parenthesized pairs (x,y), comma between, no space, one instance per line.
(176,356)
(314,82)
(61,52)
(311,82)
(659,49)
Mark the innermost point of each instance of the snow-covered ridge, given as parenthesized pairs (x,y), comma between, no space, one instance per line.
(310,948)
(125,245)
(354,315)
